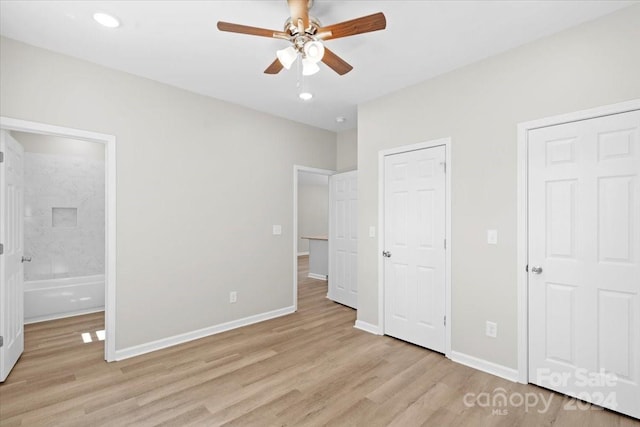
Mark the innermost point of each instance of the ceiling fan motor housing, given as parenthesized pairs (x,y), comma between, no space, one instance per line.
(306,43)
(291,27)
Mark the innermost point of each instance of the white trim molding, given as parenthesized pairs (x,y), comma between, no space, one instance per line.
(317,276)
(110,211)
(368,327)
(446,142)
(141,349)
(522,209)
(485,366)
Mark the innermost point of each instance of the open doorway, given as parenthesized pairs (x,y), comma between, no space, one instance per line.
(72,238)
(64,227)
(311,226)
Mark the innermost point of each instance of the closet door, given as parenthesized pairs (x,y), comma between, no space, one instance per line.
(414,247)
(584,260)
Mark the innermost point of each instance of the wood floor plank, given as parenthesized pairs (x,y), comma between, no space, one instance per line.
(310,368)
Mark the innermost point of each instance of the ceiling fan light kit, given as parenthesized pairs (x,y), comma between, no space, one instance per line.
(287,56)
(307,35)
(309,67)
(305,68)
(313,51)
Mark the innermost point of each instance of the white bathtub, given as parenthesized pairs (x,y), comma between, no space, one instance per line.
(57,298)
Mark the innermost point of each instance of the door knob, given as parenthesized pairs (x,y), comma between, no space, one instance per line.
(536,269)
(26,259)
(386,254)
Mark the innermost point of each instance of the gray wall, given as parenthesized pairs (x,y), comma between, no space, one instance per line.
(347,150)
(479,107)
(313,207)
(200,182)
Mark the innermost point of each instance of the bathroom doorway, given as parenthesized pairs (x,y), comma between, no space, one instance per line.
(64,227)
(68,255)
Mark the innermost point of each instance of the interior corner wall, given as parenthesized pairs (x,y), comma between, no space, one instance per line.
(347,150)
(479,107)
(200,182)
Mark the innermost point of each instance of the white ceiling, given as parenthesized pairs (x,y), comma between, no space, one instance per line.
(177,42)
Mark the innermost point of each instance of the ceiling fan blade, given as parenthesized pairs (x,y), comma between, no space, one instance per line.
(298,10)
(274,68)
(365,24)
(336,63)
(252,31)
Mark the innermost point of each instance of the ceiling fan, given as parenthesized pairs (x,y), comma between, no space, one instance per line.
(306,35)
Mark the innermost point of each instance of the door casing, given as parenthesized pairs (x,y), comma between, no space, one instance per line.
(109,141)
(446,142)
(522,209)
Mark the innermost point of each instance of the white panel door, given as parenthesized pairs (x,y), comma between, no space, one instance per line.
(343,238)
(414,242)
(584,260)
(11,237)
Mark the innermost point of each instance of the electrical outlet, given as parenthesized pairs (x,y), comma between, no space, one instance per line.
(372,231)
(492,237)
(491,329)
(233,297)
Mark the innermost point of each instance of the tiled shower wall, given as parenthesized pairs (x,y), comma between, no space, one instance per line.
(64,216)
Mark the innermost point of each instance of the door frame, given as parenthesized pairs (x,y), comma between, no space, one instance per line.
(523,220)
(296,169)
(109,141)
(446,142)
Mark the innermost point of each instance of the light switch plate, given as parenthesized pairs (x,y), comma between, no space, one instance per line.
(277,230)
(372,231)
(491,329)
(492,237)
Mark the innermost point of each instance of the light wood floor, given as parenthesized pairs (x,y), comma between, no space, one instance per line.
(309,368)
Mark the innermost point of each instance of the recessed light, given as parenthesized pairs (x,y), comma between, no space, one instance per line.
(106,20)
(341,119)
(305,96)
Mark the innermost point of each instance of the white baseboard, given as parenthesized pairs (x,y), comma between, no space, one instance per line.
(63,315)
(138,350)
(485,366)
(367,327)
(303,253)
(317,276)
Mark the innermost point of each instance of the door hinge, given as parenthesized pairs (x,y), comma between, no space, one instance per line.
(1,340)
(445,243)
(1,157)
(1,248)
(445,167)
(526,268)
(445,320)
